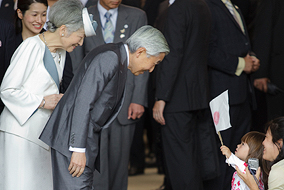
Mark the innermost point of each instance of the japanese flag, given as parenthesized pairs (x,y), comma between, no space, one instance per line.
(220,112)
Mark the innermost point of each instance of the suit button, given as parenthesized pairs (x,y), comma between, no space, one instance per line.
(246,43)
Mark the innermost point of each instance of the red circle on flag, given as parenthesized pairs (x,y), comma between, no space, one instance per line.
(216,117)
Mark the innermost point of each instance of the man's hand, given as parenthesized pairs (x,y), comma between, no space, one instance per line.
(248,64)
(77,164)
(261,84)
(135,111)
(158,111)
(248,178)
(256,63)
(226,151)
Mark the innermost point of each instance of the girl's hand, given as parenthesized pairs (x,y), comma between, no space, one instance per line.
(225,151)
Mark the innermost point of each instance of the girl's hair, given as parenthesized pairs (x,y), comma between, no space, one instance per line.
(254,140)
(276,127)
(24,5)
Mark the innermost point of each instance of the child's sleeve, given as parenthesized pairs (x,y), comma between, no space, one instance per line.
(235,161)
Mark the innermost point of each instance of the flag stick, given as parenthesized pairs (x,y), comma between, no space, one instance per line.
(220,137)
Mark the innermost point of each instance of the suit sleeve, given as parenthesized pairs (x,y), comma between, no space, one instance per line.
(219,59)
(21,103)
(139,95)
(175,34)
(97,76)
(235,161)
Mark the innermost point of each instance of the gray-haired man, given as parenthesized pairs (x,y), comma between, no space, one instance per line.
(93,101)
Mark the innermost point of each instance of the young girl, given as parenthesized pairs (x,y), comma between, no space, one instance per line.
(250,147)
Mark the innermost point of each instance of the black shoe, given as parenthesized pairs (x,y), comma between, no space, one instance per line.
(135,171)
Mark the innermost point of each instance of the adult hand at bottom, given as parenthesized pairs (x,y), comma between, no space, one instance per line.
(158,111)
(248,178)
(77,164)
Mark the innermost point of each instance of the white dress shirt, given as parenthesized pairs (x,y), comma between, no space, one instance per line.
(113,18)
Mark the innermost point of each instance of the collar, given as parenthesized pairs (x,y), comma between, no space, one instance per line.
(127,53)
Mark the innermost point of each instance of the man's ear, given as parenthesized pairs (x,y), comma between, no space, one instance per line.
(20,14)
(140,51)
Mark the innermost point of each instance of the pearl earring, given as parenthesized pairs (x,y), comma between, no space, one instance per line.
(62,34)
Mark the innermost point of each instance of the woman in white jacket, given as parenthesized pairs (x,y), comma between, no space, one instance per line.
(30,91)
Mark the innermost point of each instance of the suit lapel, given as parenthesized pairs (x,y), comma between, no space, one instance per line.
(98,38)
(121,29)
(223,6)
(243,20)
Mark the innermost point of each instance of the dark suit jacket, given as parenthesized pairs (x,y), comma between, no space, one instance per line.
(91,102)
(182,79)
(7,48)
(268,41)
(129,19)
(227,43)
(7,11)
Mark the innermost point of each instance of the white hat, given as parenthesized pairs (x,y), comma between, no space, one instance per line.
(90,25)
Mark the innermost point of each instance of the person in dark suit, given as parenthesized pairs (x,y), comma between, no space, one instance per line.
(7,47)
(230,65)
(268,43)
(93,101)
(7,10)
(126,20)
(182,92)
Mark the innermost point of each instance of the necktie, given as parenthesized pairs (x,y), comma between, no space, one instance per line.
(108,29)
(230,7)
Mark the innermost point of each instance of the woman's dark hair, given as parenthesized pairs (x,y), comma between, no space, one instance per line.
(276,127)
(24,5)
(254,140)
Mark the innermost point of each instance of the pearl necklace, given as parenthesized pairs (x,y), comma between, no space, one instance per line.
(59,54)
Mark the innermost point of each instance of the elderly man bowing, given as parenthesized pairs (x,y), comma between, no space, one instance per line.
(92,102)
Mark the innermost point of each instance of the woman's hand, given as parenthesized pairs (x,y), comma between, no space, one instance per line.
(51,101)
(248,178)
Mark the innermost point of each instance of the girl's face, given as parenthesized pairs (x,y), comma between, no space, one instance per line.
(270,151)
(242,151)
(33,20)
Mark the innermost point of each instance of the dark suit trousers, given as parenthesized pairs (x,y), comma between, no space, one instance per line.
(180,150)
(114,157)
(63,180)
